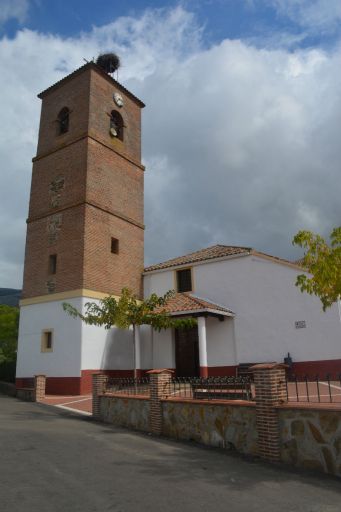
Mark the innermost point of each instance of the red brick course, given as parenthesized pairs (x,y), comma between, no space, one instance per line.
(270,392)
(87,187)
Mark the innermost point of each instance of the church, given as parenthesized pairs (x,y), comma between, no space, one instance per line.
(85,241)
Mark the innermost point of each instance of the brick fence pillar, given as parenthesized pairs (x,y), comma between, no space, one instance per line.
(159,389)
(39,387)
(98,387)
(270,391)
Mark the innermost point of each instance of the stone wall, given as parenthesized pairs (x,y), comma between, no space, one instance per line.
(311,438)
(130,412)
(222,425)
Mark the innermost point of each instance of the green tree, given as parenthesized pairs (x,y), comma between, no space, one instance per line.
(9,322)
(323,261)
(129,311)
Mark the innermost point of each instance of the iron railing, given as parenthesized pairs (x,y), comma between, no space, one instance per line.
(195,388)
(211,388)
(129,386)
(314,389)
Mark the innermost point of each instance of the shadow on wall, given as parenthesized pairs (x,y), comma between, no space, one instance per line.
(118,350)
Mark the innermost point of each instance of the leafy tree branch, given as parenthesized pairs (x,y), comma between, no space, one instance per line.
(129,311)
(323,262)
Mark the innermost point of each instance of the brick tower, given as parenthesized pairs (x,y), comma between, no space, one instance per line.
(85,225)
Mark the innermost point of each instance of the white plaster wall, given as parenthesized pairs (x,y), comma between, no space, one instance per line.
(64,360)
(263,295)
(220,342)
(163,349)
(158,283)
(76,346)
(112,349)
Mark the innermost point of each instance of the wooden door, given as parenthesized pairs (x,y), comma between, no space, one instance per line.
(187,352)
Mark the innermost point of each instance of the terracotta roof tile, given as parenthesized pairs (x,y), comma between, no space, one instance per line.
(216,251)
(188,302)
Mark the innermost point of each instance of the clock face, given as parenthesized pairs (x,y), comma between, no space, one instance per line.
(118,99)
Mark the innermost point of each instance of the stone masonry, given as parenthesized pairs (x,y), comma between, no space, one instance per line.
(39,387)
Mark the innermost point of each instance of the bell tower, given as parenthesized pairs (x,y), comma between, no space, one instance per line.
(85,223)
(85,229)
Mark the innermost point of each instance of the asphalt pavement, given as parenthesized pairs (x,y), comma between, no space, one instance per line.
(56,461)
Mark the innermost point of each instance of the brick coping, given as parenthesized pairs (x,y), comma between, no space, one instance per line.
(120,395)
(239,403)
(310,406)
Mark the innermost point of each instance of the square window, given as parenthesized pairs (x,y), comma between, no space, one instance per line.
(114,245)
(47,341)
(184,280)
(52,263)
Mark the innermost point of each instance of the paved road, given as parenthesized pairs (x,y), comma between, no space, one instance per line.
(52,461)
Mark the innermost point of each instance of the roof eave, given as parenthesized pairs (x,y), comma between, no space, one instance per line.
(277,260)
(203,311)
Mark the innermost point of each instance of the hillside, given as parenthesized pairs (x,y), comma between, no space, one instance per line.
(10,296)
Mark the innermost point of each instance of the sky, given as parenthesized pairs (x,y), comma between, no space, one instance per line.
(241,130)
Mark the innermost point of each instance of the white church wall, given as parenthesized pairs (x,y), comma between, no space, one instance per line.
(163,349)
(64,360)
(220,342)
(267,304)
(147,339)
(112,349)
(158,283)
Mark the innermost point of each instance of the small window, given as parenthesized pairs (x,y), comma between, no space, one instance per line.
(184,280)
(47,341)
(114,245)
(52,263)
(63,120)
(116,125)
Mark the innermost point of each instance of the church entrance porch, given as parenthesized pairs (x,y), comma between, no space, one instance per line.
(187,352)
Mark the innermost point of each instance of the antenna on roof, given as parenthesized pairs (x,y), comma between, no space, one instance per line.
(87,61)
(109,62)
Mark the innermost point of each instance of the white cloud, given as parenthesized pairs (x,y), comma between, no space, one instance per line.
(13,9)
(241,143)
(317,14)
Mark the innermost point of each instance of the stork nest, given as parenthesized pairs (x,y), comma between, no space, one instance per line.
(109,62)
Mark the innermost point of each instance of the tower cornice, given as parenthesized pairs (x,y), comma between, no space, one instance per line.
(114,213)
(92,137)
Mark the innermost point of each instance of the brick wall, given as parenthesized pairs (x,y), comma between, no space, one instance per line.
(101,102)
(104,271)
(87,187)
(73,94)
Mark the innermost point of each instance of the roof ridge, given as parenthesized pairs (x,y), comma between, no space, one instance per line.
(201,254)
(186,301)
(198,299)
